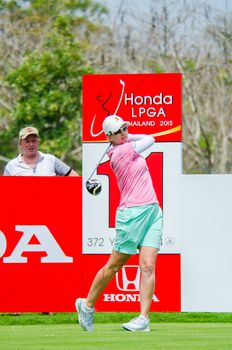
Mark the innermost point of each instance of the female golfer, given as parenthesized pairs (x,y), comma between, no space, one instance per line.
(138,223)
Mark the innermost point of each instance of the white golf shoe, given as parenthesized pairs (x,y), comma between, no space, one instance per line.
(85,315)
(138,324)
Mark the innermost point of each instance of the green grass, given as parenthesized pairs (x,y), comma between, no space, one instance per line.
(110,336)
(115,317)
(169,331)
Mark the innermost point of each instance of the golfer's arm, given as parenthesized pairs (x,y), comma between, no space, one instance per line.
(141,142)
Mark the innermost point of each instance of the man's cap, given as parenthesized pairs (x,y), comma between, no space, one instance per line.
(29,130)
(112,124)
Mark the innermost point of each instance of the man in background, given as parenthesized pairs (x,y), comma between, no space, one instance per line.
(32,162)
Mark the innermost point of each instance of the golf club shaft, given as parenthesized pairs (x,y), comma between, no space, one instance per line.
(108,147)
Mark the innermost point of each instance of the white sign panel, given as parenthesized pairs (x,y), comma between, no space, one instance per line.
(206,239)
(98,234)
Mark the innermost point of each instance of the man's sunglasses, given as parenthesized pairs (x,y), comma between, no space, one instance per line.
(120,131)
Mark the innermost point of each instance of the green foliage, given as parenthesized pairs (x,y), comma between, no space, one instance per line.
(46,85)
(48,88)
(155,67)
(190,65)
(52,8)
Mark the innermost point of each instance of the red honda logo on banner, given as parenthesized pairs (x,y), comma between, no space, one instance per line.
(128,278)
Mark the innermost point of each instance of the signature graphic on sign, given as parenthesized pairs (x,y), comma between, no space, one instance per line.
(95,134)
(104,102)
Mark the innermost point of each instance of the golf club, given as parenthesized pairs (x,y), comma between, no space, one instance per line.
(94,186)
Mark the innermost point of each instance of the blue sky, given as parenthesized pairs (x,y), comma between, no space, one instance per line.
(220,5)
(139,9)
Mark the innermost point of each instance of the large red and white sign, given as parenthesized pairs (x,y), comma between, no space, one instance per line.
(45,265)
(152,105)
(42,267)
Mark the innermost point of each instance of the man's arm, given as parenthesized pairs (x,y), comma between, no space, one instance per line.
(63,169)
(73,173)
(6,172)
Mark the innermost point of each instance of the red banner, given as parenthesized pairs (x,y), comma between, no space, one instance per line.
(40,243)
(122,294)
(150,102)
(42,267)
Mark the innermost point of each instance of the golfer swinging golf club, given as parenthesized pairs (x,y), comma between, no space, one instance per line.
(139,223)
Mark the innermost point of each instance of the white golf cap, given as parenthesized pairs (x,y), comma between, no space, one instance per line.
(112,124)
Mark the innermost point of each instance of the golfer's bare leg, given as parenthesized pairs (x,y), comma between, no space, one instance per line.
(104,276)
(147,260)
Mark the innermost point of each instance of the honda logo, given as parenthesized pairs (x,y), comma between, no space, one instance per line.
(128,278)
(46,243)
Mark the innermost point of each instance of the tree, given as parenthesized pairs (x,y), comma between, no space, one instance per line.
(196,40)
(48,88)
(46,61)
(172,36)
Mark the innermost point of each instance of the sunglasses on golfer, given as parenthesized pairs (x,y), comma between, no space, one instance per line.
(121,130)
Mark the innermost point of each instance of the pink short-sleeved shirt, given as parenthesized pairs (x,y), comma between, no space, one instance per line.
(134,180)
